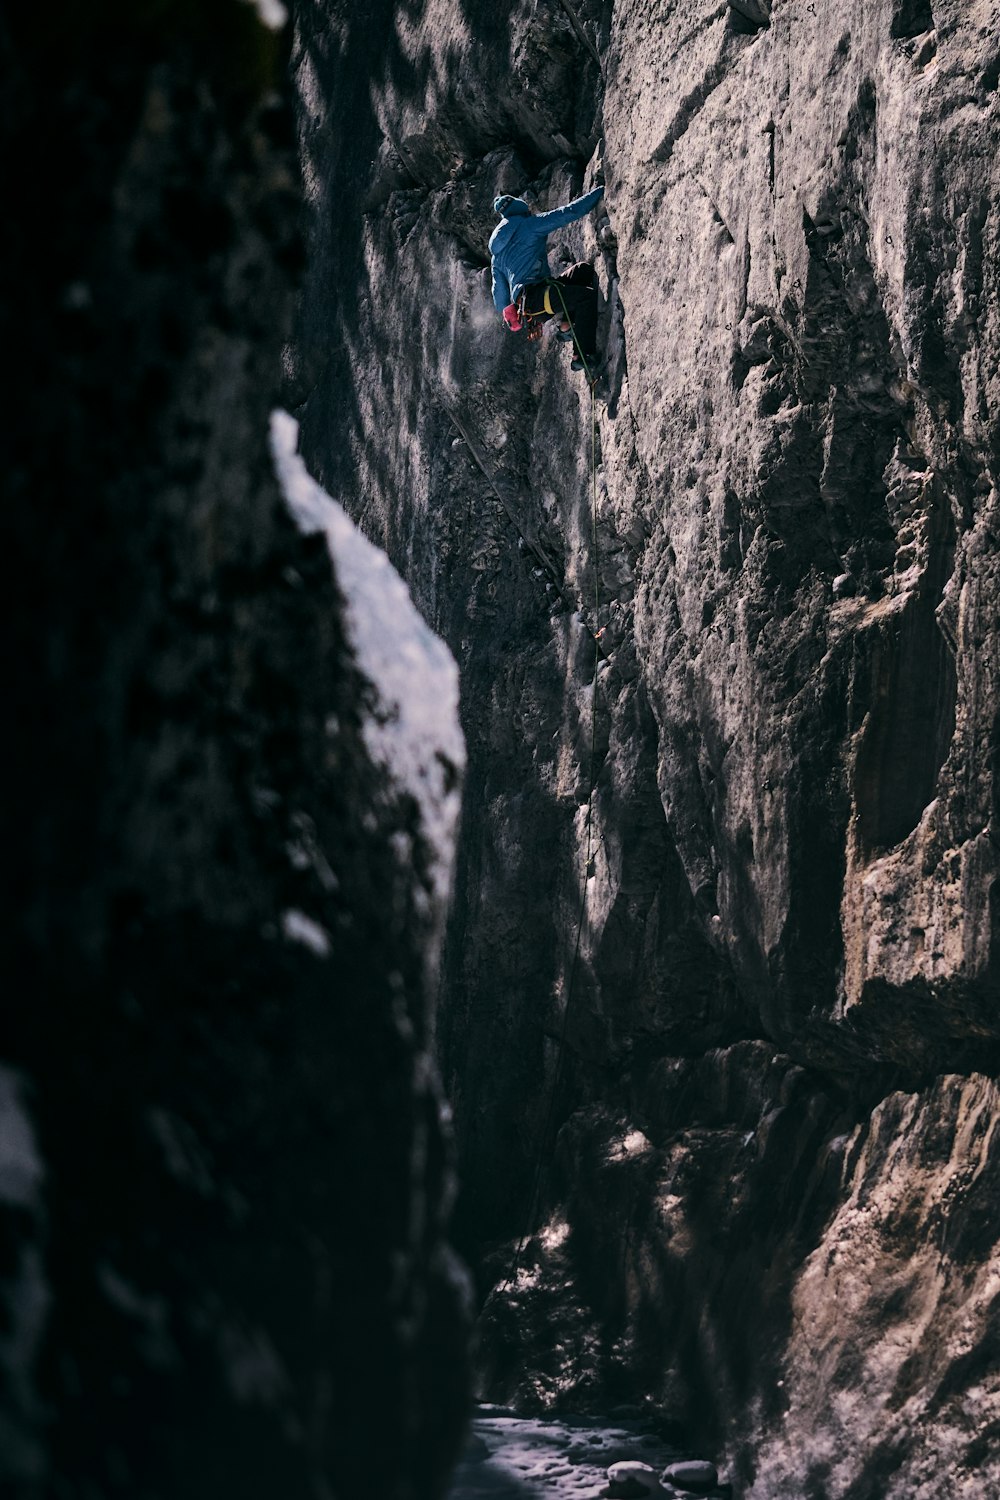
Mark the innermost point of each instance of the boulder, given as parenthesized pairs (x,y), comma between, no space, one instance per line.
(695,1474)
(630,1479)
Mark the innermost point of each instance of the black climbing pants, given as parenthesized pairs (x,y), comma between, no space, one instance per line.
(572,296)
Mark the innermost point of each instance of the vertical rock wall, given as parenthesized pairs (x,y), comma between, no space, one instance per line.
(769,1185)
(223,1170)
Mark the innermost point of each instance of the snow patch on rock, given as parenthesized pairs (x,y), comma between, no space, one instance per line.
(412,730)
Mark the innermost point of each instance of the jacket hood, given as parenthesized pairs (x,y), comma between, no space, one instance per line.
(510,208)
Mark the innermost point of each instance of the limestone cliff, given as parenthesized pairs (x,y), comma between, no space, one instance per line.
(769,1185)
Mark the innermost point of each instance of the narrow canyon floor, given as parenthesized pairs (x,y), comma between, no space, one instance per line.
(513,1457)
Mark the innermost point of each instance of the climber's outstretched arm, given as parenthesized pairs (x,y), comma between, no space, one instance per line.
(557,217)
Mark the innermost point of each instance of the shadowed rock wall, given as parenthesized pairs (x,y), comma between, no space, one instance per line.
(768,1190)
(223,1171)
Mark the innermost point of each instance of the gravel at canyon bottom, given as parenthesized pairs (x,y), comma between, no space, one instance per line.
(518,1457)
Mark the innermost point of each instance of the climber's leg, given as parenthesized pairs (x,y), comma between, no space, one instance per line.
(575,291)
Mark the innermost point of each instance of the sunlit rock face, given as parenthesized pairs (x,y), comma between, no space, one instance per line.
(224,1174)
(735,1105)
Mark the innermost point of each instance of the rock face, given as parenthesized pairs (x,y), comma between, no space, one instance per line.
(755,1106)
(223,1170)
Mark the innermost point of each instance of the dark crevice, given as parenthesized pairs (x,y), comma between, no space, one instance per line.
(911,18)
(747,17)
(893,1042)
(991,76)
(912,717)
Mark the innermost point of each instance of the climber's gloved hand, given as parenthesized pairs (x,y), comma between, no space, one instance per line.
(510,317)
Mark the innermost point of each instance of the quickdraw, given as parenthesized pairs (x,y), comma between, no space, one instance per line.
(533,321)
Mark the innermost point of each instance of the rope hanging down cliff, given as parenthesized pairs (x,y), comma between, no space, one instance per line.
(539,1166)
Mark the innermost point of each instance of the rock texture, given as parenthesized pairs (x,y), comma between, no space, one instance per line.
(775,782)
(223,1170)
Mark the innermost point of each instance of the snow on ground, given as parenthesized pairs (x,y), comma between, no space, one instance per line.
(524,1457)
(413,729)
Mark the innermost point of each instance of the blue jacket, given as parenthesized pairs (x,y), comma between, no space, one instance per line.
(517,245)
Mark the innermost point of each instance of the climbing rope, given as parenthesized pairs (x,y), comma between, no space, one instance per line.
(537,1176)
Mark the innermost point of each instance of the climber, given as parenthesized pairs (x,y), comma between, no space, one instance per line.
(524,288)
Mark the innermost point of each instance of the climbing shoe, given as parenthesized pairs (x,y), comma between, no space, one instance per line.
(590,366)
(564,335)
